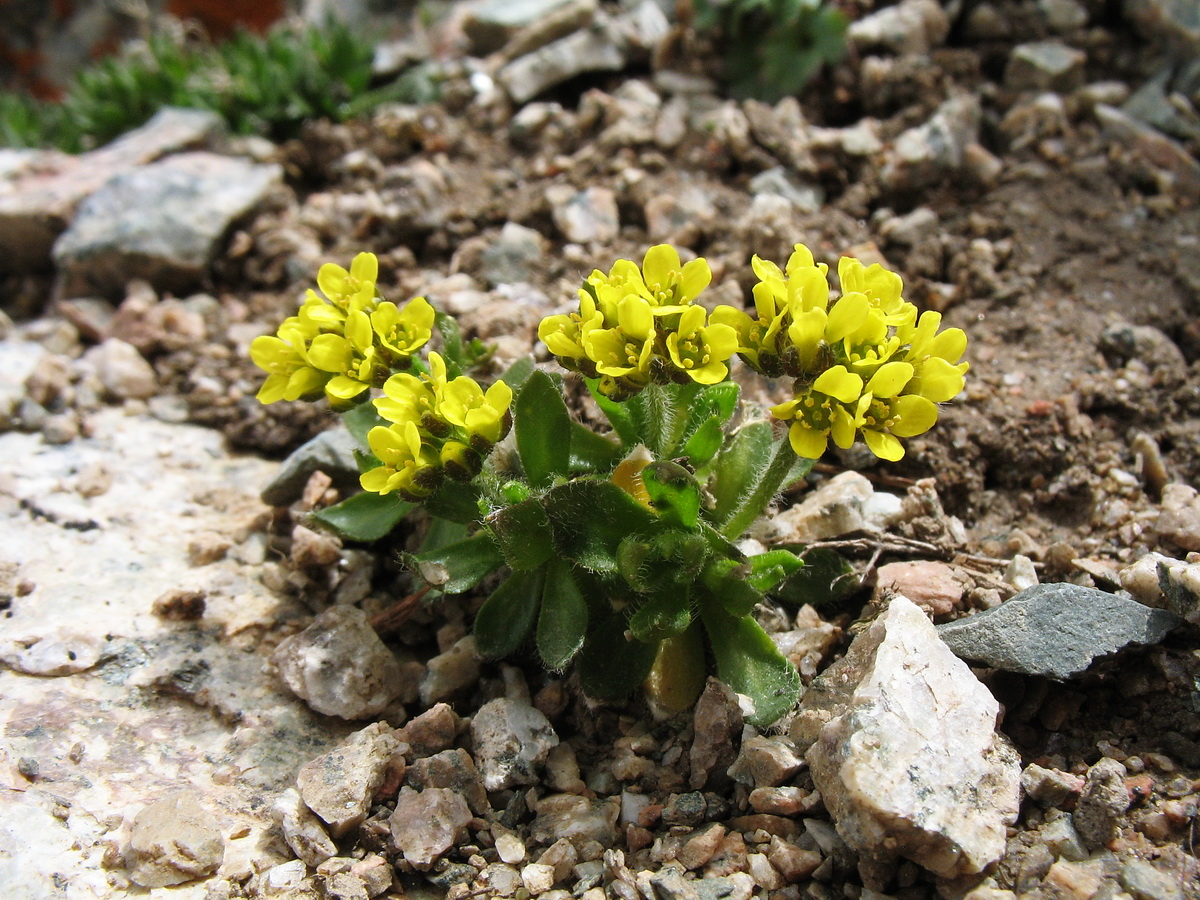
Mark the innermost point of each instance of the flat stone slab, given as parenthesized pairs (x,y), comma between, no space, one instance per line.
(1056,630)
(163,222)
(161,705)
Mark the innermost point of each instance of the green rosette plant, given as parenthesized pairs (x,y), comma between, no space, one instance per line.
(618,551)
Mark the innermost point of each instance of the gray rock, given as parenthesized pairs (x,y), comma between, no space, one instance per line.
(1142,342)
(599,48)
(490,24)
(928,153)
(1173,22)
(1103,801)
(331,452)
(910,27)
(584,216)
(451,672)
(44,188)
(607,45)
(681,214)
(1045,66)
(427,823)
(1179,520)
(302,831)
(340,785)
(1062,16)
(339,666)
(1152,104)
(1180,170)
(717,723)
(455,770)
(1055,630)
(122,371)
(163,222)
(807,198)
(511,740)
(577,819)
(908,761)
(911,228)
(512,256)
(174,840)
(832,510)
(54,653)
(766,761)
(1180,586)
(1146,881)
(432,731)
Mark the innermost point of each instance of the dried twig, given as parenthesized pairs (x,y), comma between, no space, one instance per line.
(392,618)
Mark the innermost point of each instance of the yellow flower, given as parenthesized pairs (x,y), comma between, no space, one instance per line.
(284,357)
(881,287)
(402,332)
(409,468)
(461,462)
(406,398)
(935,355)
(885,420)
(564,334)
(701,351)
(624,350)
(483,416)
(350,358)
(662,281)
(353,290)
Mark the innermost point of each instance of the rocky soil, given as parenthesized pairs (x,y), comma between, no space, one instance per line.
(204,695)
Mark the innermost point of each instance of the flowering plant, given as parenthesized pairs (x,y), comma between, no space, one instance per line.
(619,549)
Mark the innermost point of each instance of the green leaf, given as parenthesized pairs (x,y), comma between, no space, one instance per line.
(726,583)
(457,501)
(750,471)
(611,666)
(704,443)
(674,493)
(711,409)
(361,419)
(452,344)
(618,415)
(523,533)
(591,452)
(738,468)
(825,578)
(365,516)
(590,518)
(663,615)
(518,373)
(507,616)
(750,663)
(543,428)
(441,533)
(770,568)
(563,620)
(460,566)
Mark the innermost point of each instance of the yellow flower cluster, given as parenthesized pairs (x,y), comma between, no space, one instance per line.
(640,325)
(438,427)
(865,364)
(344,343)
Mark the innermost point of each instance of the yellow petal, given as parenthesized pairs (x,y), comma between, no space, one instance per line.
(939,380)
(843,428)
(635,317)
(889,379)
(365,267)
(331,279)
(696,277)
(358,330)
(884,445)
(304,381)
(377,480)
(272,389)
(840,383)
(846,316)
(807,443)
(950,345)
(344,387)
(331,353)
(659,263)
(914,415)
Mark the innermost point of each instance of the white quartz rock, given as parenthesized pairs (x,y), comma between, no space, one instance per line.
(908,760)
